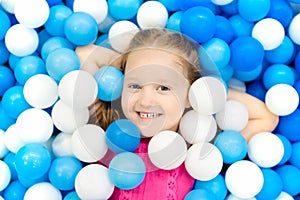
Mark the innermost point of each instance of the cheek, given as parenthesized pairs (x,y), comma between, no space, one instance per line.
(127,102)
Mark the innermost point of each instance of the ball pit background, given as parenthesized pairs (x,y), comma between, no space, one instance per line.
(254,45)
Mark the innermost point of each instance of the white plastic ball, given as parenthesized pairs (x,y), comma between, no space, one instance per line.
(3,148)
(221,2)
(146,17)
(207,95)
(40,91)
(78,89)
(232,197)
(5,175)
(12,139)
(31,13)
(8,5)
(93,182)
(88,143)
(203,161)
(67,119)
(284,196)
(293,29)
(244,179)
(265,149)
(234,116)
(98,9)
(42,191)
(269,32)
(282,99)
(21,41)
(195,127)
(34,125)
(120,34)
(167,150)
(62,145)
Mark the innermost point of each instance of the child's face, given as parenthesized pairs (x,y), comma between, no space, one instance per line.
(155,91)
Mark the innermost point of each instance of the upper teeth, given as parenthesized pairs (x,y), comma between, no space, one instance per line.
(148,115)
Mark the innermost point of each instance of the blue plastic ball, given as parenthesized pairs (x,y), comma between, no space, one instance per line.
(54,43)
(56,20)
(72,196)
(122,135)
(61,61)
(5,24)
(257,89)
(277,74)
(53,2)
(13,101)
(174,20)
(29,181)
(224,29)
(14,191)
(232,145)
(200,194)
(123,10)
(217,186)
(229,9)
(29,66)
(7,79)
(297,62)
(32,160)
(287,149)
(13,60)
(201,19)
(9,159)
(253,10)
(290,176)
(43,37)
(110,83)
(272,186)
(289,125)
(63,171)
(4,56)
(171,5)
(281,11)
(81,28)
(284,53)
(126,170)
(226,73)
(246,53)
(186,4)
(249,75)
(295,156)
(241,27)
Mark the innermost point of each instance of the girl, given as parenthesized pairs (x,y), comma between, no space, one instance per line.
(159,66)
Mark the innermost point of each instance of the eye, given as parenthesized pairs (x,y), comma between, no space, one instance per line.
(134,86)
(163,88)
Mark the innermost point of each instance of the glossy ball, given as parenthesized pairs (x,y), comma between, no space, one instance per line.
(56,20)
(122,135)
(97,9)
(32,13)
(203,161)
(12,139)
(281,11)
(249,75)
(123,10)
(63,171)
(174,20)
(72,196)
(27,67)
(287,149)
(60,62)
(294,159)
(224,29)
(3,148)
(20,40)
(81,28)
(126,170)
(5,24)
(253,11)
(14,102)
(96,174)
(78,89)
(62,145)
(293,31)
(88,143)
(40,91)
(282,99)
(7,79)
(250,180)
(290,176)
(241,26)
(232,145)
(43,189)
(278,74)
(246,53)
(273,29)
(54,43)
(15,190)
(145,17)
(199,194)
(207,95)
(33,160)
(167,150)
(110,83)
(288,125)
(265,149)
(201,19)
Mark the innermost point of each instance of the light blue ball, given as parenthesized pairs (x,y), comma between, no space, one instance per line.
(54,43)
(61,61)
(15,191)
(241,27)
(287,149)
(126,170)
(249,75)
(123,10)
(281,11)
(174,20)
(122,135)
(7,79)
(200,194)
(72,196)
(290,176)
(4,55)
(224,29)
(171,5)
(110,83)
(253,10)
(232,145)
(4,24)
(277,74)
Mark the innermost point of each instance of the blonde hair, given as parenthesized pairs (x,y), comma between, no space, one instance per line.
(173,42)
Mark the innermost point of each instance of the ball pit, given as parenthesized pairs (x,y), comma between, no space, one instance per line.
(255,43)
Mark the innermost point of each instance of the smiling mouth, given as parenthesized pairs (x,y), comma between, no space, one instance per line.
(148,115)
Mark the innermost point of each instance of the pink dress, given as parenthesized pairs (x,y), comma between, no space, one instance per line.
(157,184)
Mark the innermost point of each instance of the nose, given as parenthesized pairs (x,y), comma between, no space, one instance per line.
(147,97)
